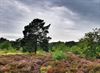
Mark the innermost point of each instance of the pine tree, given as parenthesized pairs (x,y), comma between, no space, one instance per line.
(35,34)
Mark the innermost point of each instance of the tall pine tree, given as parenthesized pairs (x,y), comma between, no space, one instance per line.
(35,34)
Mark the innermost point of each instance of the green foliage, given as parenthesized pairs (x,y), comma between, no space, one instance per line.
(58,55)
(98,51)
(2,40)
(59,46)
(7,48)
(16,44)
(89,43)
(71,43)
(5,45)
(35,34)
(76,50)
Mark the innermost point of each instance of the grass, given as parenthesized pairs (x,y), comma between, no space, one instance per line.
(11,52)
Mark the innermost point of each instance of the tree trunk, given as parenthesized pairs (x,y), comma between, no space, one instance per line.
(36,45)
(35,48)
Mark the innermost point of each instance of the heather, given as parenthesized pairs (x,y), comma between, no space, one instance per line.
(32,63)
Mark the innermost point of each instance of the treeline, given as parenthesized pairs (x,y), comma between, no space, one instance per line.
(88,46)
(6,44)
(84,47)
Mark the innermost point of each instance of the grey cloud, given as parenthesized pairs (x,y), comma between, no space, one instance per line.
(68,17)
(11,14)
(88,9)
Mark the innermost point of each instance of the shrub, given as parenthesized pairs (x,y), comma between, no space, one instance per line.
(58,55)
(76,50)
(98,52)
(5,45)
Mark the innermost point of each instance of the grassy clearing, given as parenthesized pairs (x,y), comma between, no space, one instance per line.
(11,52)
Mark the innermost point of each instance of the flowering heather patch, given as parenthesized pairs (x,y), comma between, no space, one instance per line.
(46,64)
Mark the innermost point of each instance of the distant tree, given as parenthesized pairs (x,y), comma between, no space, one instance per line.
(16,44)
(35,34)
(71,43)
(90,41)
(59,45)
(5,45)
(3,40)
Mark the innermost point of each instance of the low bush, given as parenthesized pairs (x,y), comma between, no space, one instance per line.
(59,55)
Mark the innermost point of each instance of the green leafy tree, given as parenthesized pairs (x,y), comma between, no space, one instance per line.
(5,45)
(71,43)
(16,44)
(89,43)
(35,34)
(3,40)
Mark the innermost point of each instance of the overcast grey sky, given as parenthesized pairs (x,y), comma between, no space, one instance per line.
(69,19)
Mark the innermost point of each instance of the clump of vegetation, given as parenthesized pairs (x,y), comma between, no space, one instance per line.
(90,42)
(59,55)
(5,45)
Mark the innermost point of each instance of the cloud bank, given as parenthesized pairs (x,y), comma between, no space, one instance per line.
(69,19)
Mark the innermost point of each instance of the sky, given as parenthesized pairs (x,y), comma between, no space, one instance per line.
(69,19)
